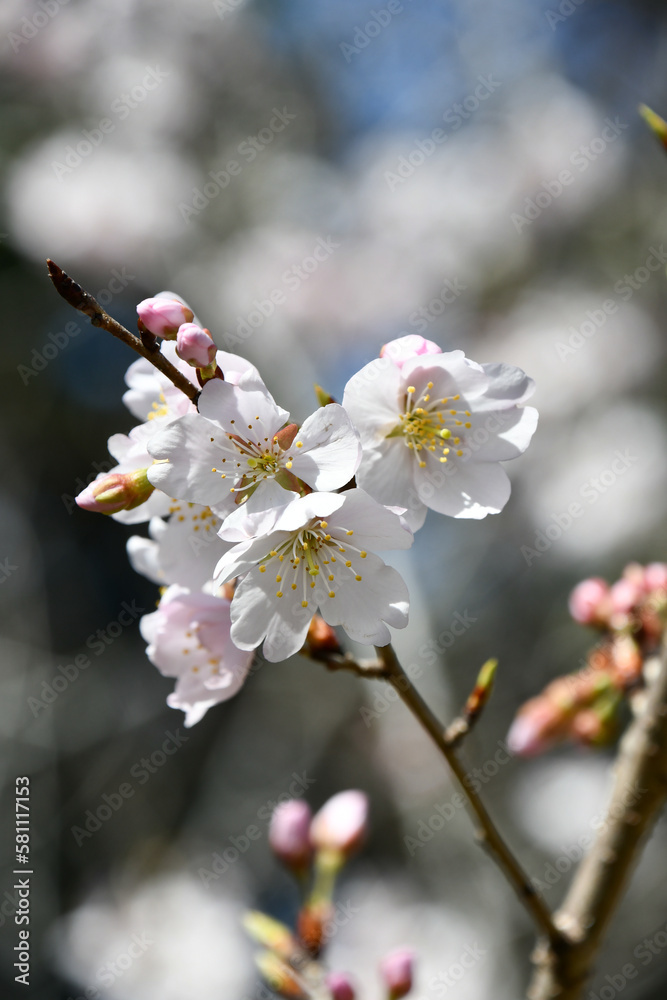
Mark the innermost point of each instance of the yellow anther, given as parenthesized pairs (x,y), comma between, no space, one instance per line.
(262,569)
(279,593)
(304,604)
(411,388)
(357,577)
(363,554)
(332,593)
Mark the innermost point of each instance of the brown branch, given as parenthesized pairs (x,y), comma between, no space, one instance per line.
(388,668)
(640,790)
(487,833)
(77,297)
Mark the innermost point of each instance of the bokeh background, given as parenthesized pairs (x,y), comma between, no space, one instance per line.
(528,231)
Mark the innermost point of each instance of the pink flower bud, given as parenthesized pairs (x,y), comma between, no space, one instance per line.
(340,986)
(655,576)
(396,971)
(589,602)
(195,345)
(405,348)
(289,834)
(163,317)
(625,595)
(340,825)
(117,491)
(534,728)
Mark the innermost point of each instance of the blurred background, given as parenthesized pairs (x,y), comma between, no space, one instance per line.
(473,172)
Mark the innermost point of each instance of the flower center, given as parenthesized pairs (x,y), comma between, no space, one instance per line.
(313,554)
(431,425)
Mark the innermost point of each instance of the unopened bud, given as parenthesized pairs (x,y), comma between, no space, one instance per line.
(657,124)
(323,397)
(396,970)
(340,987)
(535,727)
(321,637)
(116,491)
(163,317)
(279,976)
(289,834)
(405,348)
(195,345)
(271,933)
(286,435)
(589,602)
(340,825)
(655,577)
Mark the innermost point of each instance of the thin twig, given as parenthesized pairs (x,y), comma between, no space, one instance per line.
(487,833)
(640,790)
(77,297)
(388,668)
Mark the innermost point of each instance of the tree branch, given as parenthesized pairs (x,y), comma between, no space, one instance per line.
(640,790)
(487,833)
(388,668)
(75,295)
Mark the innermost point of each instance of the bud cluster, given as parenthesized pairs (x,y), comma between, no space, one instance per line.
(315,849)
(584,707)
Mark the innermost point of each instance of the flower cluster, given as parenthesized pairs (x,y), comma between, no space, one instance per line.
(584,706)
(315,849)
(258,527)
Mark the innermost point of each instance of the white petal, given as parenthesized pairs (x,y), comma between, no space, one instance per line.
(330,452)
(466,489)
(251,413)
(191,455)
(387,473)
(362,607)
(258,614)
(373,399)
(374,526)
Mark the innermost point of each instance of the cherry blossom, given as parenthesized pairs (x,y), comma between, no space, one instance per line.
(316,555)
(434,431)
(237,448)
(185,549)
(188,638)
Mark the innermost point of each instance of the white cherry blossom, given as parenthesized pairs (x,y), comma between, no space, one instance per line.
(237,450)
(184,550)
(317,556)
(434,431)
(188,638)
